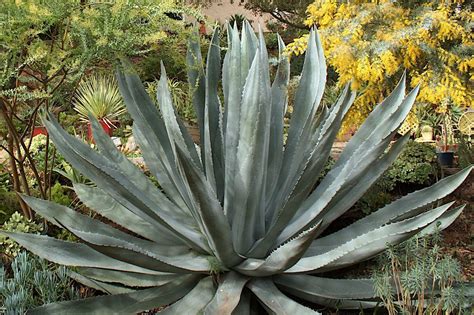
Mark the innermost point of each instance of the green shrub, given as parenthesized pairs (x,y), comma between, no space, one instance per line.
(17,223)
(377,196)
(5,180)
(8,205)
(272,40)
(70,120)
(426,280)
(38,149)
(171,50)
(416,165)
(8,199)
(33,282)
(60,195)
(465,151)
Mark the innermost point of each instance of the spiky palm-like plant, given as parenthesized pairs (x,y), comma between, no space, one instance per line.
(240,224)
(99,96)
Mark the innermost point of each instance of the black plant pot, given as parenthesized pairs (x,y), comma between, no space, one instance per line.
(446,158)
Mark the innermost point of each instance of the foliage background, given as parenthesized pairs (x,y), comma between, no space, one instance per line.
(370,43)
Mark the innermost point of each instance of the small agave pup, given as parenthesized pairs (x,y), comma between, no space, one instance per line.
(237,226)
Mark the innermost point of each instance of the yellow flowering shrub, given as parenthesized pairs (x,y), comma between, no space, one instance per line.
(370,43)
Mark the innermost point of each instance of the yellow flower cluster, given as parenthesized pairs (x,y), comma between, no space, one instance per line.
(370,43)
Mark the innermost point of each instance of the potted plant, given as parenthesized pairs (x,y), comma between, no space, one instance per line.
(99,96)
(445,143)
(39,130)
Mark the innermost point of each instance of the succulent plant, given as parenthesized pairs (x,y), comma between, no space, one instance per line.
(32,282)
(100,97)
(238,225)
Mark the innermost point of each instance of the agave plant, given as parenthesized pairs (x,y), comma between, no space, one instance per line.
(100,97)
(238,226)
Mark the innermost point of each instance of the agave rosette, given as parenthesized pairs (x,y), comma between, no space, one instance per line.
(237,223)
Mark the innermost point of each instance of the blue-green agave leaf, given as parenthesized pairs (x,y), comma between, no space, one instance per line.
(248,48)
(152,127)
(195,301)
(320,143)
(275,301)
(279,91)
(173,122)
(71,254)
(136,176)
(376,118)
(307,103)
(228,294)
(158,169)
(443,221)
(252,151)
(357,186)
(282,258)
(105,174)
(368,152)
(397,208)
(212,142)
(231,125)
(99,201)
(214,223)
(126,303)
(131,279)
(367,245)
(98,285)
(327,288)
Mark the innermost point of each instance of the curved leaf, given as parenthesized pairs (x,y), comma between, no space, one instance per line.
(342,173)
(71,254)
(366,245)
(126,303)
(106,176)
(172,121)
(276,301)
(232,96)
(306,286)
(108,149)
(100,286)
(214,223)
(131,279)
(98,233)
(321,141)
(106,206)
(280,259)
(152,128)
(394,210)
(228,294)
(195,301)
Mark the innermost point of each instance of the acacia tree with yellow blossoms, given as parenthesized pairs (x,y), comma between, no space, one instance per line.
(372,42)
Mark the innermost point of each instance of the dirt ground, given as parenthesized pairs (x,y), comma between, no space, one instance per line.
(458,238)
(222,11)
